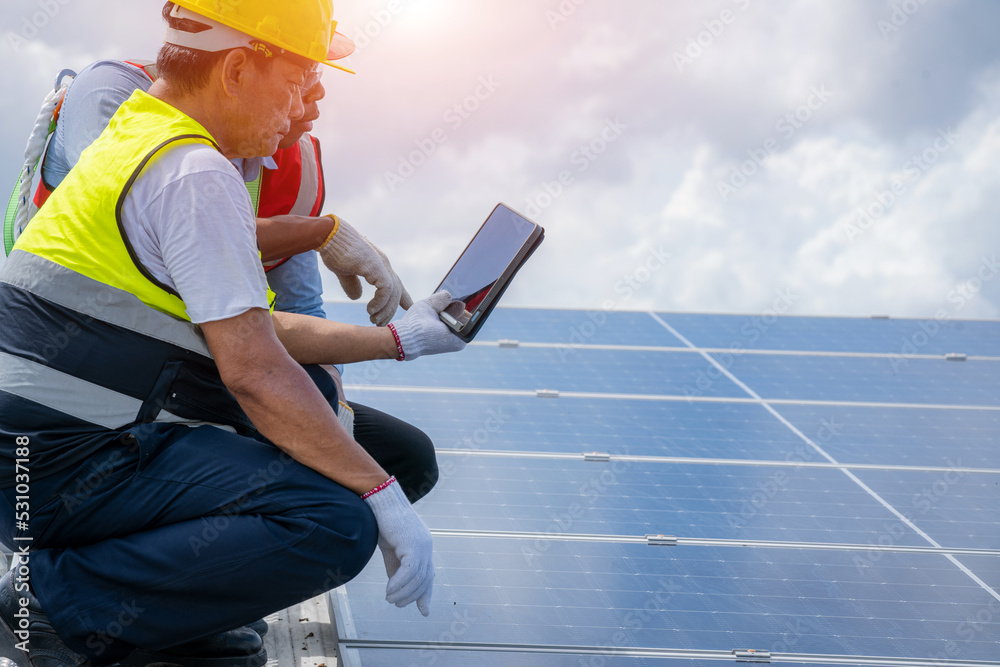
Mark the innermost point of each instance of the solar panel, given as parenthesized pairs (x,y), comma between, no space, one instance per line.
(671,498)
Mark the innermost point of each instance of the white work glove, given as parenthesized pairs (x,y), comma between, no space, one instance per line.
(422,332)
(407,548)
(345,414)
(349,255)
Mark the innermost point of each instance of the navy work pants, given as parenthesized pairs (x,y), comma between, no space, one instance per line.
(178,533)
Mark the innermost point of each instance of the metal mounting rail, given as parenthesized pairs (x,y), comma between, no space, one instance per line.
(692,460)
(706,542)
(732,656)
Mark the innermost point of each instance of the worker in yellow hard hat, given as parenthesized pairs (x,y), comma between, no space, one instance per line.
(138,351)
(292,194)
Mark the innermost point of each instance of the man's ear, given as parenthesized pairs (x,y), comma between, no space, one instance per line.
(234,71)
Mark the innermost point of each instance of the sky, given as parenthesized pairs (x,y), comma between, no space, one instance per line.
(813,157)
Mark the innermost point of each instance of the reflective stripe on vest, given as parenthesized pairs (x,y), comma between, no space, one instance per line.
(100,355)
(305,202)
(87,335)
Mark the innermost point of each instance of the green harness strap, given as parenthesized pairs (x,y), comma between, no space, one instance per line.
(254,190)
(10,219)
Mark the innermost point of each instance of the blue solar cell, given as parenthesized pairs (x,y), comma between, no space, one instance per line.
(986,568)
(901,436)
(576,425)
(562,327)
(956,509)
(840,602)
(705,598)
(580,370)
(557,497)
(864,379)
(576,327)
(826,334)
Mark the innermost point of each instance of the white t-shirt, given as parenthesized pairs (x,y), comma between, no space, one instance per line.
(191,223)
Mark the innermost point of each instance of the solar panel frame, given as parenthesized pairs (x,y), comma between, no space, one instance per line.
(792,419)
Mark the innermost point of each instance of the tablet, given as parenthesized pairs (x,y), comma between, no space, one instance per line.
(480,276)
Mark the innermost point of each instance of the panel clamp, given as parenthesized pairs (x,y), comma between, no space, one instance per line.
(547,393)
(599,457)
(751,655)
(956,356)
(508,343)
(661,540)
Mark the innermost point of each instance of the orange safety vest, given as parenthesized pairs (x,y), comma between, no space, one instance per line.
(296,187)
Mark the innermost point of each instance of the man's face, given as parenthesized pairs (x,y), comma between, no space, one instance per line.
(273,102)
(312,92)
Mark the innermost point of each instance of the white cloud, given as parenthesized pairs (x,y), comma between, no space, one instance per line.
(655,185)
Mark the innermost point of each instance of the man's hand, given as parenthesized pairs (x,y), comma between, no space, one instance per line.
(422,332)
(350,255)
(406,546)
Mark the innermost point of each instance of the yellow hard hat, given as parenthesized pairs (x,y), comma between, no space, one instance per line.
(303,27)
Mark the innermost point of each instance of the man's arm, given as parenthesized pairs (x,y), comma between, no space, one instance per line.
(284,404)
(314,340)
(287,408)
(287,235)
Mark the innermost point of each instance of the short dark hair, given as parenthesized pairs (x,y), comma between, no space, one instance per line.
(189,69)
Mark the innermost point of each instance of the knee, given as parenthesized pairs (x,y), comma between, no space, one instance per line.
(422,474)
(349,534)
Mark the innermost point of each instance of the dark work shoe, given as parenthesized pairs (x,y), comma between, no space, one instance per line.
(260,627)
(236,648)
(46,649)
(9,639)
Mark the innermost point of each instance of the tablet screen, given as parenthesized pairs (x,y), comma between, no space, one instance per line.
(489,254)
